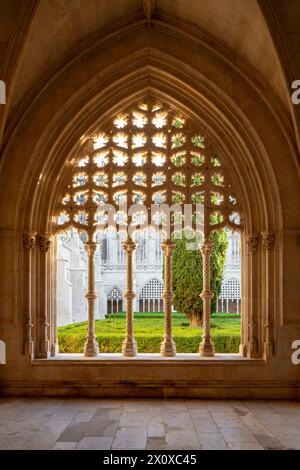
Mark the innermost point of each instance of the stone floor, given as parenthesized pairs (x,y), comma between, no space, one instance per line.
(148,424)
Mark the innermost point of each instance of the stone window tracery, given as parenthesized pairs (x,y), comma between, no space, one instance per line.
(150,298)
(147,154)
(114,300)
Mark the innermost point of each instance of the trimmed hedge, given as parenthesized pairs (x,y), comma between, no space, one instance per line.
(147,344)
(149,329)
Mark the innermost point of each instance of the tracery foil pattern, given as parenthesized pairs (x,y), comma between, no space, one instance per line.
(149,154)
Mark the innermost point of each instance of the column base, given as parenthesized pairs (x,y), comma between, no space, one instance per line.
(168,348)
(54,350)
(207,348)
(45,349)
(129,348)
(91,348)
(268,348)
(29,349)
(252,349)
(243,350)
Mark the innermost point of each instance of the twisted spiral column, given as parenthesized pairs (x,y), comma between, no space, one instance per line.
(91,347)
(206,347)
(129,347)
(168,347)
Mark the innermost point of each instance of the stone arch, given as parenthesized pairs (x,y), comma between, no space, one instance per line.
(259,149)
(114,300)
(231,293)
(150,296)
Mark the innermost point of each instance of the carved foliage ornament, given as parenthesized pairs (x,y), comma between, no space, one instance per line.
(29,240)
(268,240)
(44,242)
(252,242)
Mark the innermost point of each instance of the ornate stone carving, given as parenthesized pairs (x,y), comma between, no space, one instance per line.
(29,240)
(129,346)
(268,240)
(142,169)
(252,242)
(160,157)
(91,347)
(44,242)
(206,347)
(29,243)
(168,347)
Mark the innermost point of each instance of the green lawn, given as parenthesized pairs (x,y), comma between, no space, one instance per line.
(149,328)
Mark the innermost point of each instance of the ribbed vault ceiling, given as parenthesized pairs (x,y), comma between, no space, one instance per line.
(60,25)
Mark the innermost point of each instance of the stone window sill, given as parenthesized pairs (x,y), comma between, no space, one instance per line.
(114,358)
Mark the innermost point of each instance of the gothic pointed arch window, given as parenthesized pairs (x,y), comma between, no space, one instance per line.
(230,297)
(147,155)
(114,300)
(150,298)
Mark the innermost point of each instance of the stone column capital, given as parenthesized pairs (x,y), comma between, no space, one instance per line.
(252,242)
(90,248)
(29,240)
(44,242)
(206,248)
(129,245)
(168,247)
(268,240)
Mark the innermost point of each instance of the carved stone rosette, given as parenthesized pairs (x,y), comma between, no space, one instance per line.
(91,347)
(168,347)
(129,346)
(206,347)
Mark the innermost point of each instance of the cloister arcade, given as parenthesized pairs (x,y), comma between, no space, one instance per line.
(148,107)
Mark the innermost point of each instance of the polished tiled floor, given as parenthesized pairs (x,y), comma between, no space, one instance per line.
(148,424)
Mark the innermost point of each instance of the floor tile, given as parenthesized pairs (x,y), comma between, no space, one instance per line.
(291,444)
(95,443)
(244,446)
(238,435)
(178,439)
(156,431)
(226,419)
(74,432)
(212,441)
(205,424)
(130,438)
(64,446)
(85,423)
(157,444)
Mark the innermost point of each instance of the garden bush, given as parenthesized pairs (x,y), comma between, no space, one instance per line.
(149,334)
